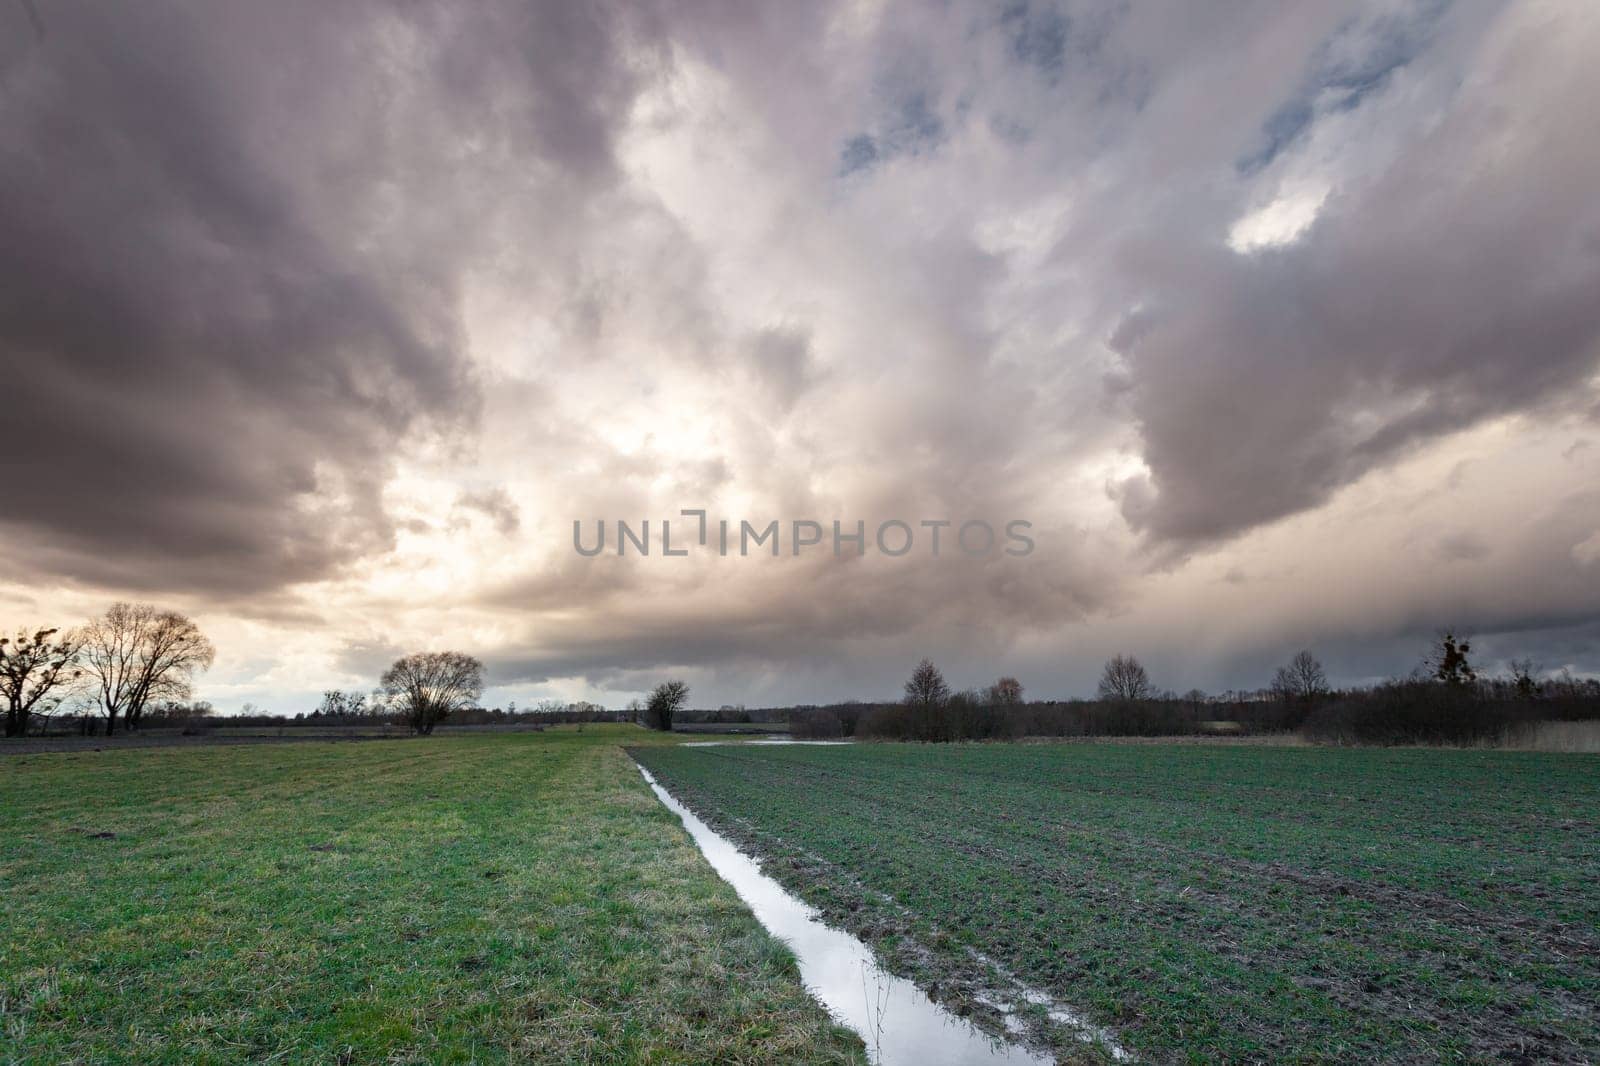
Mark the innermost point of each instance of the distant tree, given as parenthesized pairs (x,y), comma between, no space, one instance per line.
(428,687)
(1303,679)
(1525,679)
(136,653)
(339,704)
(36,671)
(1124,678)
(191,718)
(927,686)
(664,702)
(1007,691)
(1447,661)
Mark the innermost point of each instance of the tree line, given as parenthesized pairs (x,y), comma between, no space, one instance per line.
(1443,700)
(137,660)
(136,656)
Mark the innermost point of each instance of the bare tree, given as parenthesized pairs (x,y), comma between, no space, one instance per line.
(36,671)
(1124,678)
(1303,679)
(136,653)
(927,686)
(427,687)
(337,703)
(1006,691)
(174,651)
(1525,678)
(664,702)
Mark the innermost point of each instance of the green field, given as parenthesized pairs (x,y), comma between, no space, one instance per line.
(523,897)
(1207,903)
(465,899)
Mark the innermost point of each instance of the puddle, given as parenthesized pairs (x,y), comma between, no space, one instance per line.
(1085,1030)
(770,742)
(898,1022)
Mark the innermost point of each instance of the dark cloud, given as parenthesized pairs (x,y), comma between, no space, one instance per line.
(231,244)
(1462,546)
(622,617)
(270,272)
(1453,284)
(781,365)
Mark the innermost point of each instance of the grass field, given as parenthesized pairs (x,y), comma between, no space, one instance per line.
(1207,903)
(466,899)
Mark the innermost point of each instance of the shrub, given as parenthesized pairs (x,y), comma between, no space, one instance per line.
(1416,712)
(817,723)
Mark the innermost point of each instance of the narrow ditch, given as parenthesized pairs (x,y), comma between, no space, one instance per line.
(896,1019)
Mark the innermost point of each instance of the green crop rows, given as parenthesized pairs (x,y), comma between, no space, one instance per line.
(1205,903)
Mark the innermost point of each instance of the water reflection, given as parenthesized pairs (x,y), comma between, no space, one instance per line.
(765,742)
(898,1022)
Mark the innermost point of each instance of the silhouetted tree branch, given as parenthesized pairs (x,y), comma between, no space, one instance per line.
(35,671)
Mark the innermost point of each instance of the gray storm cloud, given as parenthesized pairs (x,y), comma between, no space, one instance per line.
(1453,282)
(352,309)
(232,241)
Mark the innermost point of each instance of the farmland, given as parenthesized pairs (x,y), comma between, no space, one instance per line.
(1204,903)
(523,897)
(467,899)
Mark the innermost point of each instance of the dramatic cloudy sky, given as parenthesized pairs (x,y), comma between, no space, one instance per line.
(1280,323)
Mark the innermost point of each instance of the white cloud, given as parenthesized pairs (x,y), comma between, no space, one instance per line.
(1278,223)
